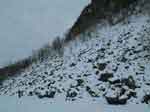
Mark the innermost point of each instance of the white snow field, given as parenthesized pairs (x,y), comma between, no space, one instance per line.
(32,104)
(106,69)
(26,25)
(93,69)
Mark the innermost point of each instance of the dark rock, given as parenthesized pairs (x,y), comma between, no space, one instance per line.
(114,81)
(92,13)
(147,83)
(123,59)
(101,66)
(86,75)
(1,84)
(97,72)
(111,53)
(46,73)
(105,76)
(102,49)
(30,93)
(130,82)
(94,67)
(71,94)
(122,91)
(132,94)
(118,97)
(126,67)
(47,95)
(116,100)
(20,93)
(91,92)
(90,60)
(72,64)
(115,69)
(146,99)
(51,73)
(30,83)
(80,82)
(111,5)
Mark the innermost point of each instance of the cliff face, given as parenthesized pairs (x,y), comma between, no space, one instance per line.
(94,12)
(111,4)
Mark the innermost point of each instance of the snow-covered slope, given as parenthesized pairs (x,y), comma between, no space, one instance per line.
(105,65)
(111,62)
(27,25)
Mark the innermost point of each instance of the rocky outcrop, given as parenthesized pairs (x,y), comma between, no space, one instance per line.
(111,5)
(96,11)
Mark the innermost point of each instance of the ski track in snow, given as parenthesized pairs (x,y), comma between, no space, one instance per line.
(119,51)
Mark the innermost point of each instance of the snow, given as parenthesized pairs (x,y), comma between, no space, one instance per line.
(27,25)
(75,75)
(25,104)
(112,45)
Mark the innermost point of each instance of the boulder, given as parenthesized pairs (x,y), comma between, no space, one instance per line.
(130,82)
(119,96)
(91,92)
(146,99)
(47,94)
(116,100)
(105,76)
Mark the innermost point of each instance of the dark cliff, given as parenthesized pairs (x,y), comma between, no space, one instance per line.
(96,11)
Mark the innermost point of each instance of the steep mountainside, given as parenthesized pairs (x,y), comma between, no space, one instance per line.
(27,25)
(99,10)
(107,63)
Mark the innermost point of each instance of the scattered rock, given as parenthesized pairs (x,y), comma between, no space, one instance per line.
(30,83)
(126,67)
(130,82)
(97,72)
(71,94)
(91,92)
(119,95)
(116,96)
(102,49)
(146,99)
(46,73)
(147,83)
(105,76)
(51,73)
(30,93)
(80,82)
(101,66)
(114,81)
(116,100)
(89,61)
(131,94)
(123,59)
(20,93)
(86,75)
(47,94)
(94,67)
(72,64)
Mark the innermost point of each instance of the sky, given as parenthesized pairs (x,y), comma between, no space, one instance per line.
(26,25)
(32,104)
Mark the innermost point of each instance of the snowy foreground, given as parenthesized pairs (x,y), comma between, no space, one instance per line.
(27,25)
(26,104)
(110,65)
